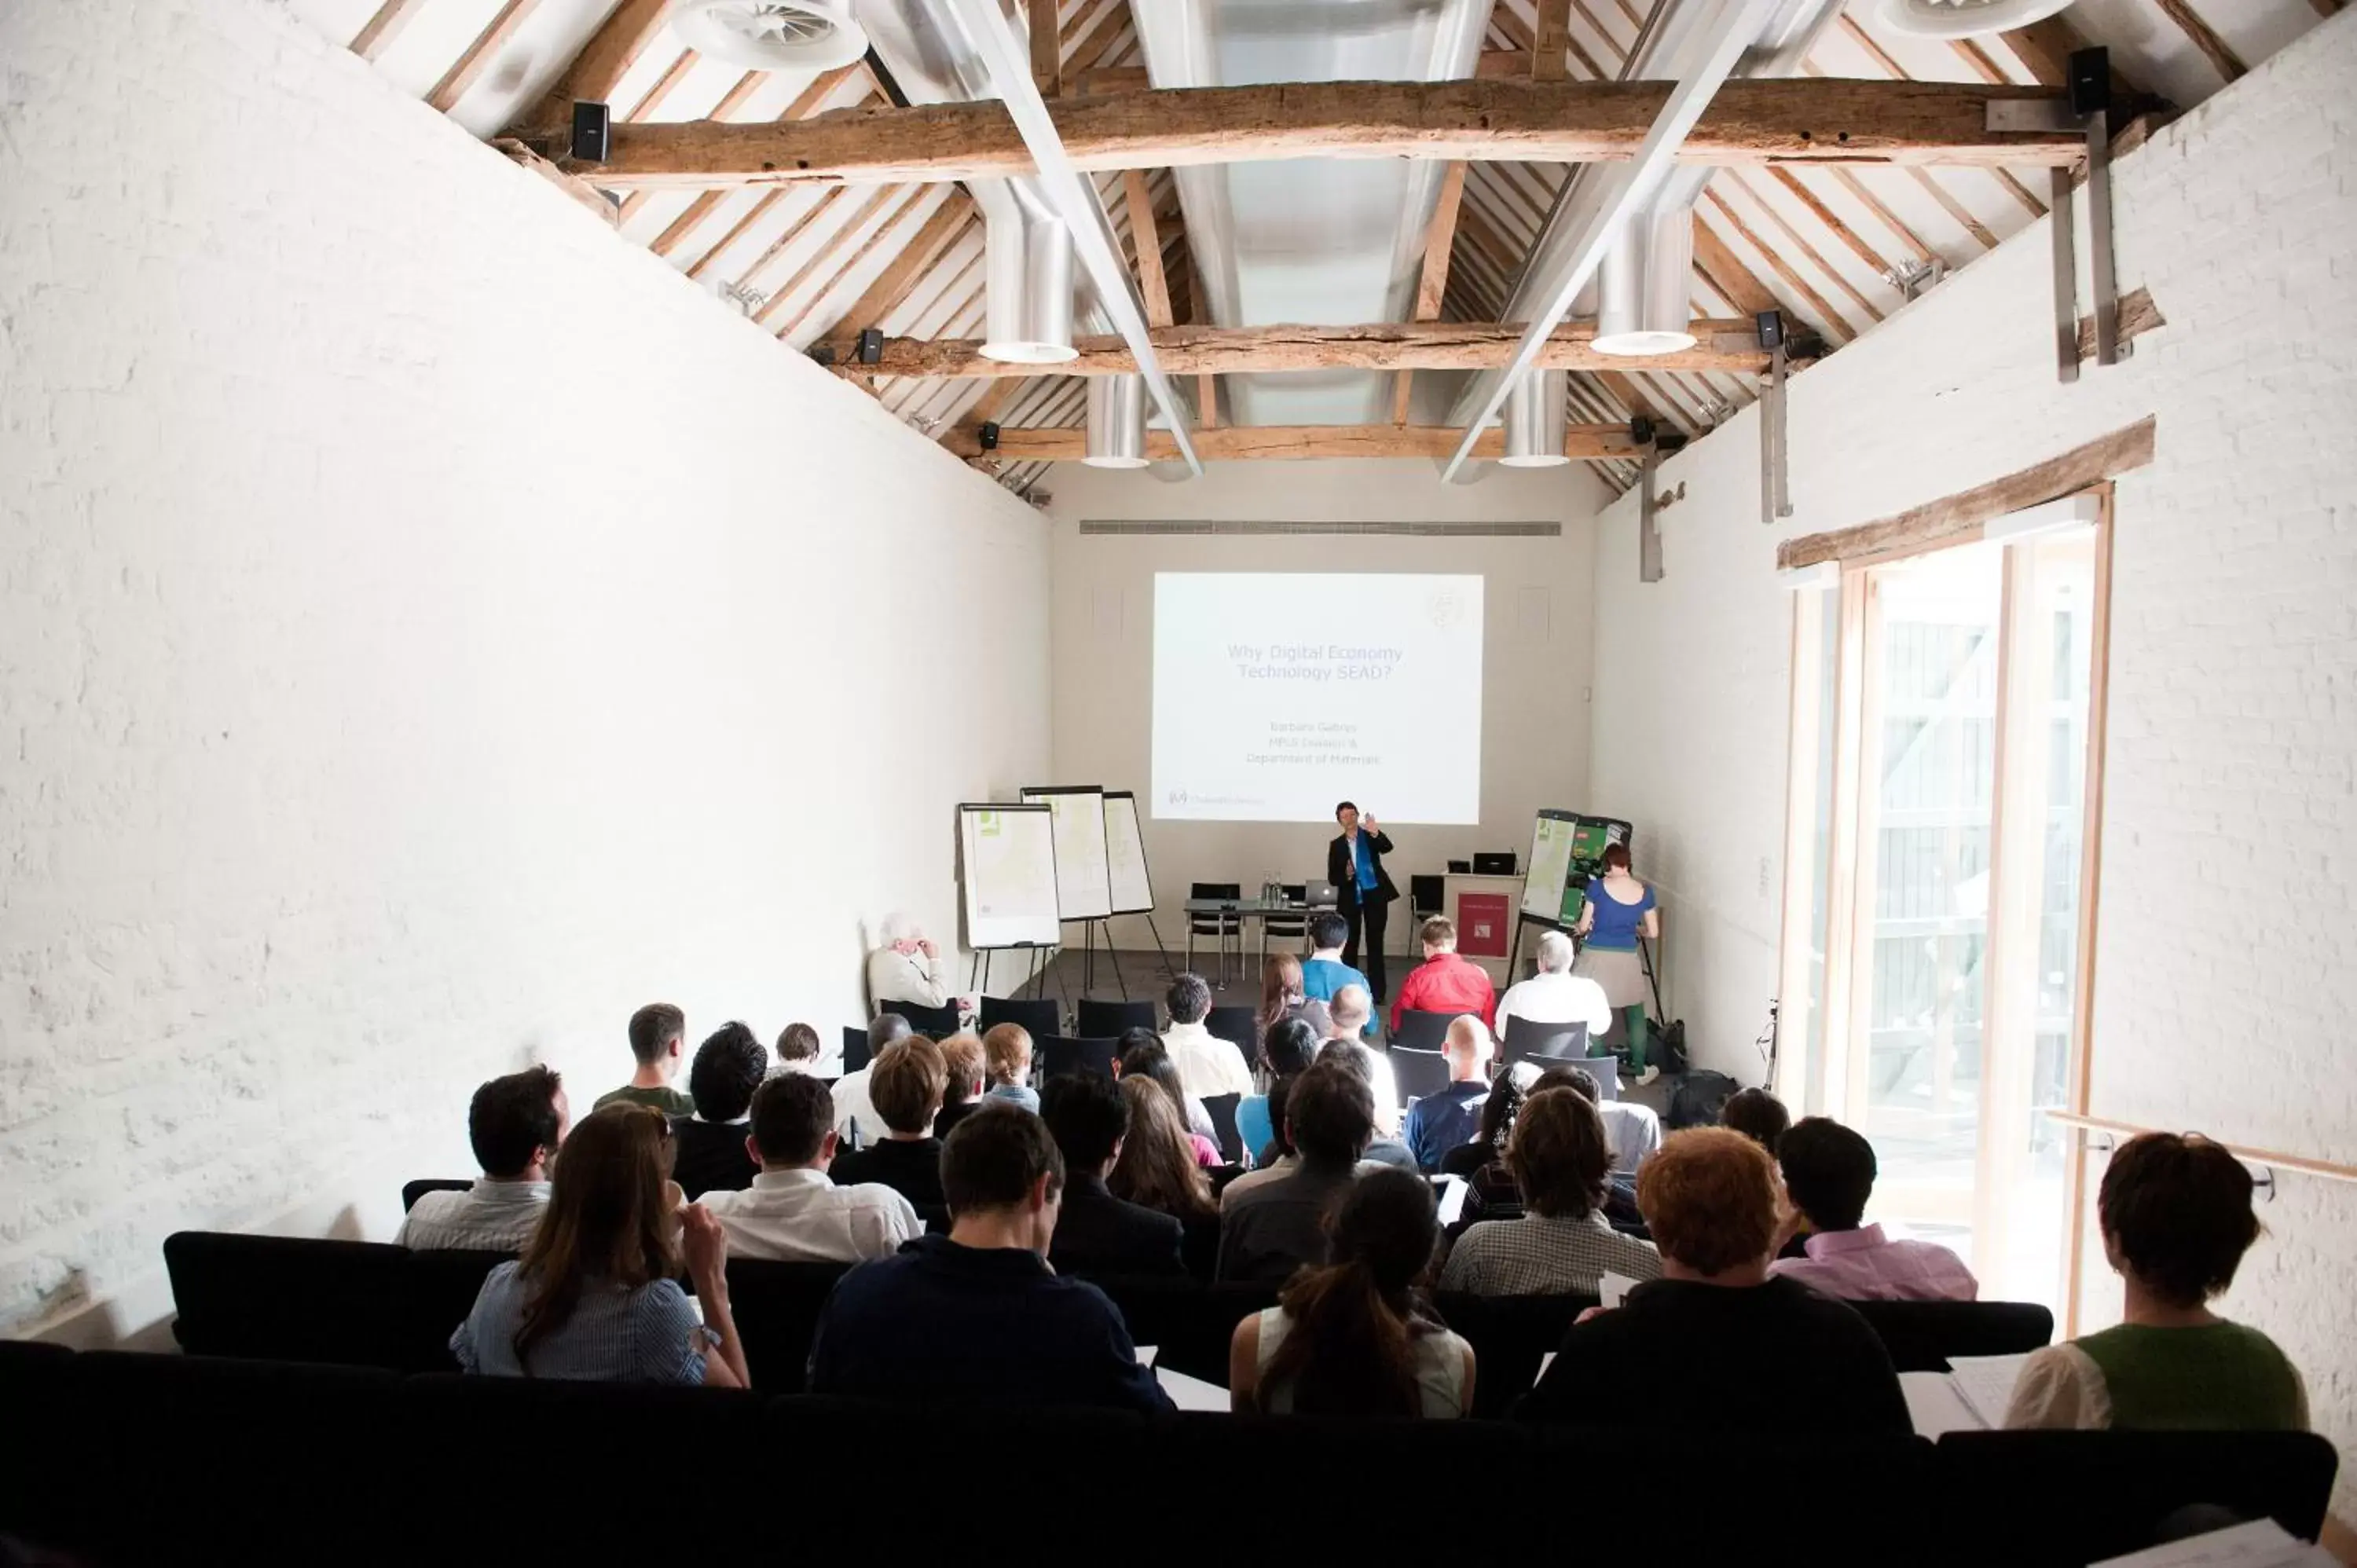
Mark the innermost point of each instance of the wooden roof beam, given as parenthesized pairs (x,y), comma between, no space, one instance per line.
(1233,443)
(1749,123)
(598,69)
(1721,345)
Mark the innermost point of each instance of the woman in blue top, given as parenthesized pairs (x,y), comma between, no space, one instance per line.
(1619,909)
(593,1298)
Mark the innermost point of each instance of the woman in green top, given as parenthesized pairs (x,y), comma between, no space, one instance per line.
(2176,1213)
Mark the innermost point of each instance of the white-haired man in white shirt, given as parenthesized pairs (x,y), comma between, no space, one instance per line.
(1555,994)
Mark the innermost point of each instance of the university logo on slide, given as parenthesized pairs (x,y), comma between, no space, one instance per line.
(1178,798)
(1445,608)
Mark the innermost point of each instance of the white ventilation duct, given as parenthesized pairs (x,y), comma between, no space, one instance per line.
(1116,435)
(1028,287)
(771,34)
(1644,293)
(1537,417)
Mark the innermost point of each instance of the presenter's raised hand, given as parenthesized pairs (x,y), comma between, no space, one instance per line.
(1367,825)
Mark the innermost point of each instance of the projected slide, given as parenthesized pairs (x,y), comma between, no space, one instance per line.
(1277,694)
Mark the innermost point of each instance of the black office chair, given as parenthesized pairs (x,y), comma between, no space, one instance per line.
(1222,1109)
(1110,1020)
(1421,1031)
(441,1291)
(411,1191)
(935,1023)
(1240,1027)
(1511,1336)
(776,1305)
(287,1298)
(1038,1017)
(1220,926)
(1923,1336)
(1060,1053)
(1550,1043)
(1426,897)
(1419,1074)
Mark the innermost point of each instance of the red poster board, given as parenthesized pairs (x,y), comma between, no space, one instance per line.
(1485,924)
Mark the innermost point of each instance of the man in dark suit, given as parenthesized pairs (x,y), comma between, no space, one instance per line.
(1099,1233)
(1354,864)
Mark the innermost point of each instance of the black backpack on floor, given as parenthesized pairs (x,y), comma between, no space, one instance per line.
(1700,1100)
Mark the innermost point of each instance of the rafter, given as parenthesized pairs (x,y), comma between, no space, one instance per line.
(1152,286)
(1047,49)
(948,224)
(1782,269)
(377,34)
(1551,42)
(1052,444)
(2203,37)
(470,67)
(675,234)
(600,66)
(1750,121)
(1432,283)
(1721,345)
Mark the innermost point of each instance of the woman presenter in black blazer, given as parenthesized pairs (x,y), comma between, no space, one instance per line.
(1354,864)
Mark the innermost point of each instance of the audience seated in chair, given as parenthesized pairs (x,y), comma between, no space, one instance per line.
(968,1067)
(801,1050)
(1351,1011)
(854,1112)
(1445,982)
(1277,1225)
(594,1296)
(1758,1115)
(1555,994)
(1286,1048)
(1439,1123)
(516,1124)
(2175,1211)
(1281,995)
(1099,1233)
(1006,1053)
(977,1316)
(1715,1344)
(1491,1194)
(1380,1149)
(793,1211)
(1562,1245)
(710,1151)
(907,1088)
(1323,972)
(1347,1339)
(1159,1167)
(1828,1176)
(1144,1055)
(1620,1186)
(1207,1064)
(657,1031)
(908,967)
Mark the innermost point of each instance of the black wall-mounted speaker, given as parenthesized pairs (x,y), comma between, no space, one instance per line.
(593,133)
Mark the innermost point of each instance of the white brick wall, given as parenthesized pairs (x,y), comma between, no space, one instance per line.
(428,630)
(2227,960)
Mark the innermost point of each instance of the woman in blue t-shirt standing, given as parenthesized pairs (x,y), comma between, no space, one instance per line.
(1619,909)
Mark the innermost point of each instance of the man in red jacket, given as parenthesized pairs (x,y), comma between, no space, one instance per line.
(1445,982)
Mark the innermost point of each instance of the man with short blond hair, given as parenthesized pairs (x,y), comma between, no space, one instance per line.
(906,1086)
(1006,1051)
(1445,982)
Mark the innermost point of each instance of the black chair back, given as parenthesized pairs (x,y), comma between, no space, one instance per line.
(287,1298)
(1107,1020)
(411,1191)
(1061,1054)
(1418,1073)
(442,1287)
(934,1022)
(1422,1031)
(1038,1016)
(1923,1336)
(856,1054)
(1511,1335)
(1550,1043)
(1220,924)
(1426,893)
(2100,1495)
(1222,1109)
(1188,1322)
(777,1306)
(1238,1025)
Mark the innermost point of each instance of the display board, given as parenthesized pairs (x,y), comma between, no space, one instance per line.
(1007,857)
(1083,879)
(1549,863)
(1590,839)
(1133,889)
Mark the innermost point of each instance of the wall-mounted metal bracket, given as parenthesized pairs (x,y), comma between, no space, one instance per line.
(1775,478)
(2088,111)
(1649,532)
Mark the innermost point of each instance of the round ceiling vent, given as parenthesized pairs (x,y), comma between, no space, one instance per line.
(1965,18)
(771,34)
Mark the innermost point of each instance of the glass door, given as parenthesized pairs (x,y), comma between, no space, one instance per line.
(1946,725)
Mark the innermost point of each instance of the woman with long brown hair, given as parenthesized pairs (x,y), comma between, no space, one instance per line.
(1347,1339)
(594,1296)
(1280,990)
(1157,1166)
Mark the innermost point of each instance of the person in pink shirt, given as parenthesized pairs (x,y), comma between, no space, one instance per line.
(1445,982)
(1828,1176)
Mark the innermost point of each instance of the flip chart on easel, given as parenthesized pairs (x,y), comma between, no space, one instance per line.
(1007,857)
(1133,889)
(1083,877)
(1549,863)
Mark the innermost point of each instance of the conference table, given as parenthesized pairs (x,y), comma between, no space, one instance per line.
(1248,909)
